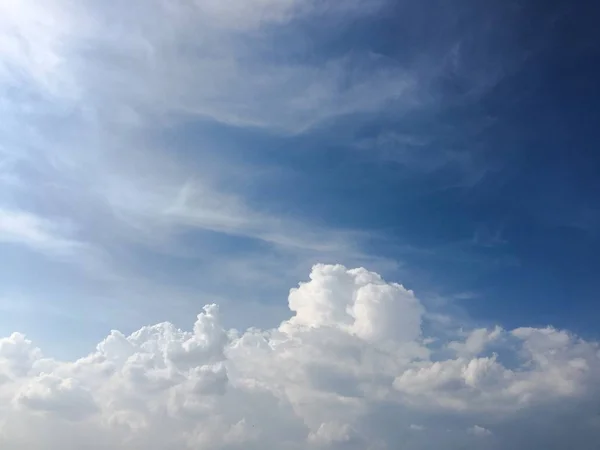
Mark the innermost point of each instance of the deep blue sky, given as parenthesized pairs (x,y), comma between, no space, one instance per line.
(514,217)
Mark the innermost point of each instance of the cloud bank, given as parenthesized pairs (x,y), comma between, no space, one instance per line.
(352,368)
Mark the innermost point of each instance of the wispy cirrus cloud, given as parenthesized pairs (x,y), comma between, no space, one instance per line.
(107,77)
(36,232)
(203,59)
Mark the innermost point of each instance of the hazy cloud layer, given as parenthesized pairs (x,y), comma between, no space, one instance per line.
(350,369)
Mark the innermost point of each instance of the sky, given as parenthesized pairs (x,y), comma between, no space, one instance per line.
(299,224)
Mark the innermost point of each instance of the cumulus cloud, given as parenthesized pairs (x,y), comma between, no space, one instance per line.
(476,341)
(350,369)
(50,393)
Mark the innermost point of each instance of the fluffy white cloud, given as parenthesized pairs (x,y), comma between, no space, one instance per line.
(476,341)
(350,369)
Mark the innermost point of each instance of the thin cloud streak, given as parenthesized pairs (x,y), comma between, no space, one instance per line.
(38,233)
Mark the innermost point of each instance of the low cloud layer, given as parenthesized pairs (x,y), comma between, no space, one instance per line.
(351,368)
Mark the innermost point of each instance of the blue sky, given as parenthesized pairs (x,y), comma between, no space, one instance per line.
(452,147)
(156,157)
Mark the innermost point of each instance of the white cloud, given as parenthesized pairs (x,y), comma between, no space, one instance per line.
(56,395)
(476,341)
(18,355)
(364,305)
(330,432)
(318,380)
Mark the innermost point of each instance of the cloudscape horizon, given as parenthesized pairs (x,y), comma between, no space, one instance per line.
(299,224)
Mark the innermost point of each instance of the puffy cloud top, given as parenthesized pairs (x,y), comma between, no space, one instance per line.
(350,369)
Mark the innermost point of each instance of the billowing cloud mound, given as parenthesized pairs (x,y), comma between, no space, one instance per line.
(351,369)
